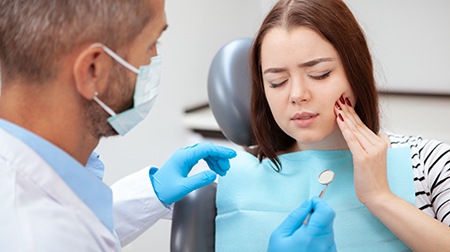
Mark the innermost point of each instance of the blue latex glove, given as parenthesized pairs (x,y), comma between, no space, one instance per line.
(171,183)
(317,235)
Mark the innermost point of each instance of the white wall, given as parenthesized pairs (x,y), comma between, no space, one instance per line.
(197,29)
(416,115)
(410,42)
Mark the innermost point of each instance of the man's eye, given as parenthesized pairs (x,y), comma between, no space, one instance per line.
(276,84)
(321,76)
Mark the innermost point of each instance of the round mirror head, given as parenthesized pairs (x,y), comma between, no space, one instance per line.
(326,177)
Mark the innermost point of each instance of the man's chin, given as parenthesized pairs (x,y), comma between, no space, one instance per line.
(106,131)
(109,132)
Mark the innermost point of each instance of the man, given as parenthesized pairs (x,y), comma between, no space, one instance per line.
(73,72)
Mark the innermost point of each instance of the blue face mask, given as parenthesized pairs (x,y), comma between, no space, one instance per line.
(145,93)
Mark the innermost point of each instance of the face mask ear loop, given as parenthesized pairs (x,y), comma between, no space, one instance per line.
(117,58)
(103,105)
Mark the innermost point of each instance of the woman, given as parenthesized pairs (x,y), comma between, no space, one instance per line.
(314,107)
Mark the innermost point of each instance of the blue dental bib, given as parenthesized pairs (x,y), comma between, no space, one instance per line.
(253,199)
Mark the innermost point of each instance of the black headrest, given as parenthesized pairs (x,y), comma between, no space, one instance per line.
(229,85)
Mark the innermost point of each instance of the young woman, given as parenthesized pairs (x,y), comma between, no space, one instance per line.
(314,107)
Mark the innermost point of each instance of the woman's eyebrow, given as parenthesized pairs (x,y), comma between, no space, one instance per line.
(314,62)
(274,70)
(302,65)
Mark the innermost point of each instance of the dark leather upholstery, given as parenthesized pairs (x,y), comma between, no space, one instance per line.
(193,222)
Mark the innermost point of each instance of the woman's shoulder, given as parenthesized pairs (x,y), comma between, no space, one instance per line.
(242,169)
(244,161)
(244,157)
(400,140)
(420,146)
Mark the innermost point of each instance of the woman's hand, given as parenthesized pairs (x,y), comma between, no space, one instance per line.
(369,152)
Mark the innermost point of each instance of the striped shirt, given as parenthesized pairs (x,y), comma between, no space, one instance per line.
(431,169)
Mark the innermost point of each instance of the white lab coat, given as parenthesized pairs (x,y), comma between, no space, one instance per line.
(39,212)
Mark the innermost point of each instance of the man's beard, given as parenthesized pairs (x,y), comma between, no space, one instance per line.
(118,90)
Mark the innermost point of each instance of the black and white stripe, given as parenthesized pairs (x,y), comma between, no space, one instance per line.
(431,168)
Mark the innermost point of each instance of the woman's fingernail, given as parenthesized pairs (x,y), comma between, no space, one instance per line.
(338,106)
(340,117)
(348,102)
(341,99)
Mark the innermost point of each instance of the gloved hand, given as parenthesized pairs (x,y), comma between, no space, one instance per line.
(171,183)
(317,235)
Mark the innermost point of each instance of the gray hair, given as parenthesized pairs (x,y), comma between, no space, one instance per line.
(36,34)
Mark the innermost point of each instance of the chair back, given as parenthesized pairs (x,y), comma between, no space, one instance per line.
(193,221)
(229,87)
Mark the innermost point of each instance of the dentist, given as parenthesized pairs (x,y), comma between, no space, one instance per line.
(73,72)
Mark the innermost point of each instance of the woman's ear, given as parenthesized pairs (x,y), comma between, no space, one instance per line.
(91,71)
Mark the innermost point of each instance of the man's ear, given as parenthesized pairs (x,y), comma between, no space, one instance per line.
(91,71)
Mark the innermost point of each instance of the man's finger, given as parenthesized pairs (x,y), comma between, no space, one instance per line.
(295,219)
(322,217)
(199,180)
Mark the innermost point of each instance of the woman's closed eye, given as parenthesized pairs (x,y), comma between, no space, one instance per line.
(320,76)
(275,84)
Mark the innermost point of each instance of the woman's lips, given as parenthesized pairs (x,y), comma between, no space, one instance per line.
(304,119)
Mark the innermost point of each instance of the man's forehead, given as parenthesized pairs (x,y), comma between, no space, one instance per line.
(159,19)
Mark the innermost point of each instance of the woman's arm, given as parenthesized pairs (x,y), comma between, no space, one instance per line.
(415,228)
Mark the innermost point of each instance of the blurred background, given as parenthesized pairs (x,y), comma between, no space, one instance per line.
(409,40)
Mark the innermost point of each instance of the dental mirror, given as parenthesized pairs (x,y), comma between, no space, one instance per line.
(325,178)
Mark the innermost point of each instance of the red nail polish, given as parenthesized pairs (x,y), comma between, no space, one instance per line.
(340,117)
(338,106)
(348,102)
(341,99)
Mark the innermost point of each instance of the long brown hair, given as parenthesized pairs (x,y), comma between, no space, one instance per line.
(335,22)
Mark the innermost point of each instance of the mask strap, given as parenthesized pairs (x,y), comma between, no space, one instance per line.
(103,105)
(117,57)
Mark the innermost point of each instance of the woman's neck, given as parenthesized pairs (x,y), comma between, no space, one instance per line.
(334,141)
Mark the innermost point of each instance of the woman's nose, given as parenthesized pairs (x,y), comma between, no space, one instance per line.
(300,93)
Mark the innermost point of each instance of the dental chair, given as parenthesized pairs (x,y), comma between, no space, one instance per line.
(193,221)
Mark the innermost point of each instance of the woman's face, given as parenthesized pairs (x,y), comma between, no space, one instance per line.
(303,78)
